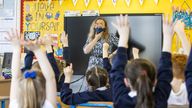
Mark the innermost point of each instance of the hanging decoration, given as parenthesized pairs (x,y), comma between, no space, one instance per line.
(74,2)
(114,2)
(49,2)
(60,2)
(128,2)
(86,2)
(141,2)
(99,2)
(156,2)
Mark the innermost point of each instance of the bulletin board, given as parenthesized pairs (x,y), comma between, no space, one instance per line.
(39,8)
(44,18)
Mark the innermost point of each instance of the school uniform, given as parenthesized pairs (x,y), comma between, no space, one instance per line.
(124,97)
(180,97)
(101,94)
(28,61)
(188,79)
(52,61)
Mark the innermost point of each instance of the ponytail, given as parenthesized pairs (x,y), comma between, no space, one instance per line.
(32,91)
(144,92)
(29,93)
(141,74)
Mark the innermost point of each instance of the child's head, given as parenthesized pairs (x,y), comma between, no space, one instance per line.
(179,61)
(32,89)
(97,77)
(140,76)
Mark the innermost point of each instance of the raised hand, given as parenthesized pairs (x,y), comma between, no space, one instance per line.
(179,27)
(68,72)
(64,39)
(168,31)
(33,45)
(135,52)
(46,40)
(122,26)
(14,38)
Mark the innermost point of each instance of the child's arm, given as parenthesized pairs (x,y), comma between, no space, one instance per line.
(66,52)
(135,52)
(119,89)
(28,61)
(46,68)
(14,38)
(106,63)
(50,55)
(188,78)
(70,98)
(180,30)
(164,74)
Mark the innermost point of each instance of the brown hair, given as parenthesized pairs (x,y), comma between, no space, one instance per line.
(91,34)
(97,77)
(179,61)
(32,91)
(142,74)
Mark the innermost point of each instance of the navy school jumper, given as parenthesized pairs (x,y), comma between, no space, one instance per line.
(188,79)
(121,99)
(70,98)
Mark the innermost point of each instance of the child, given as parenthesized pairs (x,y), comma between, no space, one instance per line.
(51,58)
(33,88)
(97,79)
(178,94)
(136,90)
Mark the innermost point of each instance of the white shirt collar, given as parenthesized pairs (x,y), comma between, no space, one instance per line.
(132,93)
(102,88)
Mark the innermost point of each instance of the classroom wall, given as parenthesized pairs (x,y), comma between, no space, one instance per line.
(56,26)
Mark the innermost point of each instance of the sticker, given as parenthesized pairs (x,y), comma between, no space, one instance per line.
(27,25)
(128,2)
(29,17)
(74,2)
(141,2)
(49,15)
(114,2)
(99,2)
(86,2)
(57,15)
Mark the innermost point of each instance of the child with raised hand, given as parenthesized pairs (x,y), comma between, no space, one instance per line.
(35,88)
(50,55)
(136,90)
(97,79)
(178,95)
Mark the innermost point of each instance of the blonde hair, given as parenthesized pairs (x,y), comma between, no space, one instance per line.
(91,34)
(32,90)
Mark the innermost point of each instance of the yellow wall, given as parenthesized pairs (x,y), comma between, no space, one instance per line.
(149,6)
